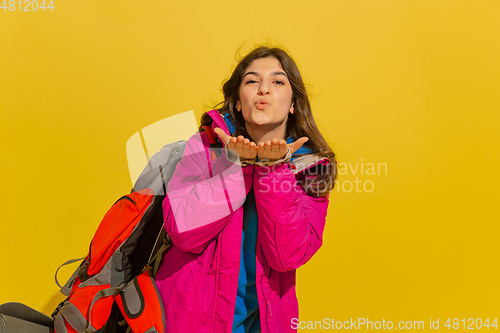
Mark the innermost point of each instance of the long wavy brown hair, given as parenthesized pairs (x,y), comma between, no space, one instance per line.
(317,181)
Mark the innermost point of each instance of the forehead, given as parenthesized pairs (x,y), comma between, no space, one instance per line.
(264,66)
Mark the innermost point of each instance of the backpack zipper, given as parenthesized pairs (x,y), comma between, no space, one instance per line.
(127,198)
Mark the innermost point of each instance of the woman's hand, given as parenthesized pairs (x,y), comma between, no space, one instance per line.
(245,149)
(271,150)
(275,149)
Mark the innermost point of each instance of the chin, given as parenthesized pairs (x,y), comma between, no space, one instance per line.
(260,122)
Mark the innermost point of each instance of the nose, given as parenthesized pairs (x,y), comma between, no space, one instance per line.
(264,88)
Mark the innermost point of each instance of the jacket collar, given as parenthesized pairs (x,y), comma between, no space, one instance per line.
(218,121)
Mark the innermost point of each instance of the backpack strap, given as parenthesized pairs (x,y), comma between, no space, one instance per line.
(69,284)
(213,139)
(74,317)
(210,133)
(167,242)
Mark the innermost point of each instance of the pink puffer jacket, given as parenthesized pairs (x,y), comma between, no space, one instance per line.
(203,214)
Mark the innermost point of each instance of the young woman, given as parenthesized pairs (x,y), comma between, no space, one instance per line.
(243,221)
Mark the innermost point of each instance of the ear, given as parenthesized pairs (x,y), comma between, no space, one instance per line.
(238,106)
(292,109)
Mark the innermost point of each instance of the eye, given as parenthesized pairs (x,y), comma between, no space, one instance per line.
(279,82)
(251,81)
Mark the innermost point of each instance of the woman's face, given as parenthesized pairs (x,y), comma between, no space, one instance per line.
(265,95)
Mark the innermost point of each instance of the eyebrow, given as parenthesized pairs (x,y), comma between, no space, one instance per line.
(273,73)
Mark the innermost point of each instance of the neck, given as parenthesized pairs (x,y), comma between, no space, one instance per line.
(262,133)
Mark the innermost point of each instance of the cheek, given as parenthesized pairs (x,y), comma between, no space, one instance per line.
(286,98)
(285,92)
(245,97)
(241,96)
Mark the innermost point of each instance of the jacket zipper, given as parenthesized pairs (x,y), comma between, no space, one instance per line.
(265,269)
(216,281)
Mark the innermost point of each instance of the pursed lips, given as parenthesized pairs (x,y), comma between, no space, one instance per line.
(262,104)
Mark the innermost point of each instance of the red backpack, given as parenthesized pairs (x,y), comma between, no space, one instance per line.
(113,289)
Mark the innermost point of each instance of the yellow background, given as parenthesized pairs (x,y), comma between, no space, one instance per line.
(412,84)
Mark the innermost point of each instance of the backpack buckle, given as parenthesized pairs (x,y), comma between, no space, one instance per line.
(58,309)
(120,288)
